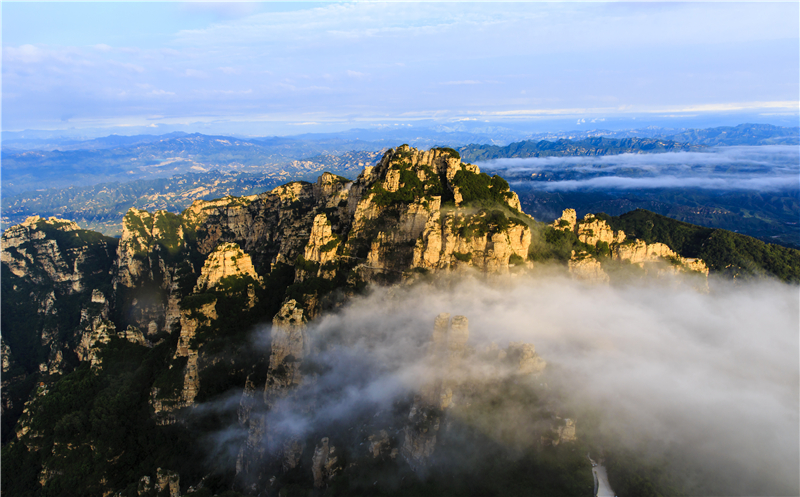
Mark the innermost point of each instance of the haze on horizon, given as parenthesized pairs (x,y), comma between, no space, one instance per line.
(290,68)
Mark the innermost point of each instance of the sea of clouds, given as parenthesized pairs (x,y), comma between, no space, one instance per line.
(757,168)
(711,375)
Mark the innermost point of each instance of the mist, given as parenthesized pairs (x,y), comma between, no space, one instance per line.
(762,168)
(710,377)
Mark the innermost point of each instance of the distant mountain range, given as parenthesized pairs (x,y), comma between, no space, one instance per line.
(586,147)
(101,206)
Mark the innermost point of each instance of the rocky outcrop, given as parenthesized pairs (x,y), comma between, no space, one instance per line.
(591,231)
(187,388)
(5,353)
(323,463)
(331,190)
(411,186)
(585,267)
(97,331)
(191,320)
(379,443)
(457,239)
(640,253)
(289,346)
(144,235)
(168,481)
(566,432)
(525,359)
(55,252)
(322,244)
(567,222)
(226,261)
(447,350)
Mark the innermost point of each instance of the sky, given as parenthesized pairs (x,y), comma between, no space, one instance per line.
(303,67)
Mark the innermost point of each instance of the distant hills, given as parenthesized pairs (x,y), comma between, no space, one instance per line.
(743,134)
(101,206)
(145,159)
(562,147)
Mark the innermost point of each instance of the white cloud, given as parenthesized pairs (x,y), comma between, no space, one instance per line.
(26,54)
(194,73)
(160,93)
(760,168)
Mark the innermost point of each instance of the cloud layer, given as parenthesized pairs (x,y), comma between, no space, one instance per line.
(371,61)
(764,168)
(713,377)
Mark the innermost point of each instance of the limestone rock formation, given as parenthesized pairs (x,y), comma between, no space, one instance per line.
(54,252)
(379,443)
(142,235)
(585,267)
(168,481)
(226,261)
(97,331)
(640,253)
(592,230)
(323,463)
(322,244)
(445,243)
(566,433)
(289,346)
(525,358)
(410,185)
(305,248)
(567,222)
(191,320)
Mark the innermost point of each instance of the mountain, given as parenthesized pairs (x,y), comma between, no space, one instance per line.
(101,207)
(563,147)
(723,136)
(743,134)
(165,156)
(131,365)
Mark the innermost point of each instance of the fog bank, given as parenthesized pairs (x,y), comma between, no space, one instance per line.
(757,168)
(712,377)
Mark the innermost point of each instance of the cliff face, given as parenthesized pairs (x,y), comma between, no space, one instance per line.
(55,278)
(657,259)
(423,209)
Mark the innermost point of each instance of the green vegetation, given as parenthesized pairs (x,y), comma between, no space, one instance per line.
(484,222)
(94,429)
(168,224)
(731,254)
(481,190)
(141,226)
(768,216)
(452,152)
(516,260)
(331,245)
(411,187)
(463,257)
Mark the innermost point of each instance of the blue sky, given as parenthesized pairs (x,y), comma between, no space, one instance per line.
(304,66)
